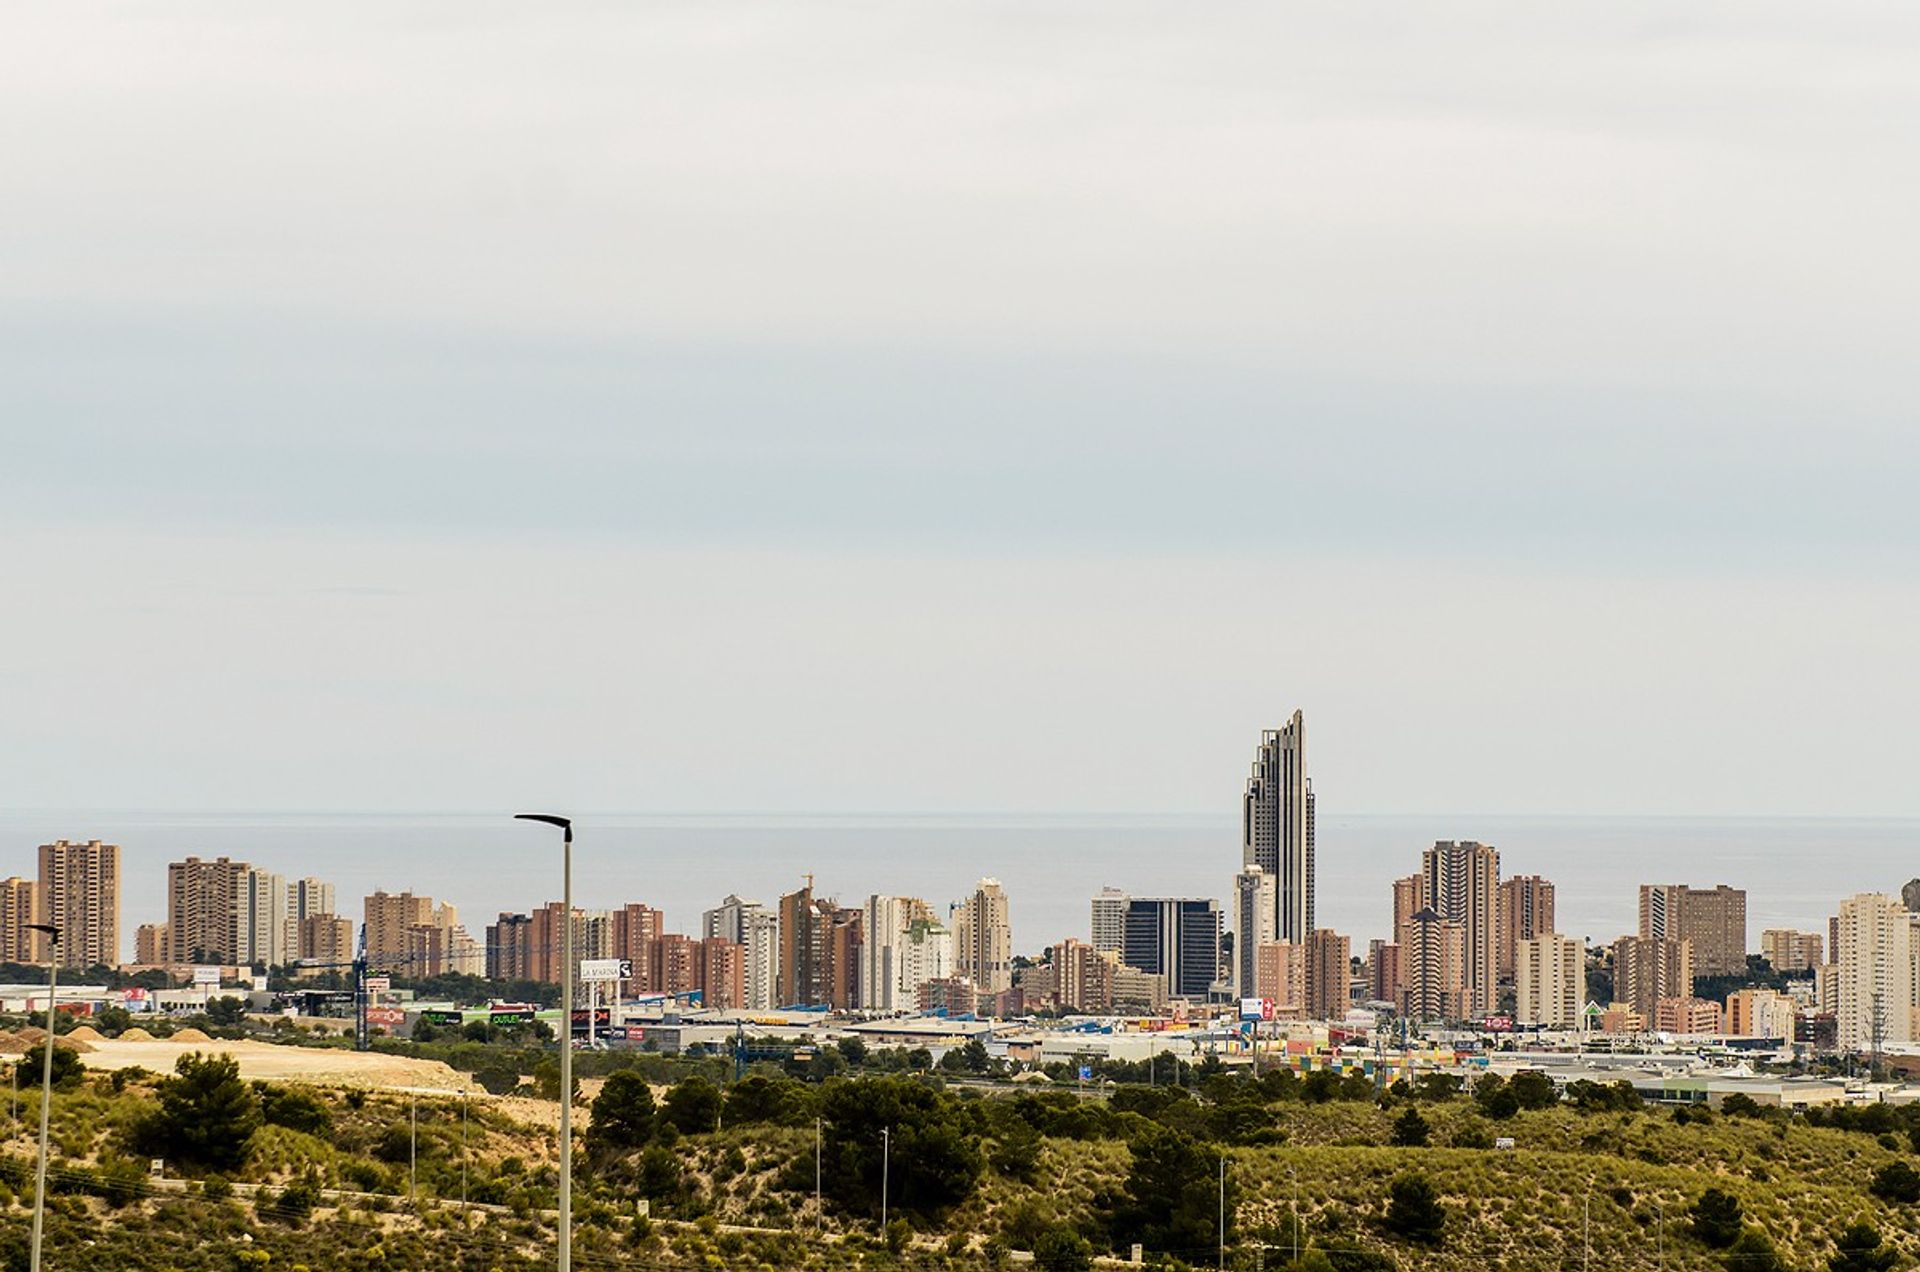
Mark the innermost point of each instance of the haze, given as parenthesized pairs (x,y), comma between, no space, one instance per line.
(975,407)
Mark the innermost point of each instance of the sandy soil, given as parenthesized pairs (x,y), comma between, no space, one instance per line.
(288,1064)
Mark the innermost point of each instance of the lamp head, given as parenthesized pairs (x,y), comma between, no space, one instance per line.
(53,933)
(564,823)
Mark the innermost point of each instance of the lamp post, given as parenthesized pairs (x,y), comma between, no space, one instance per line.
(46,1089)
(463,1154)
(566,1030)
(886,1163)
(819,1215)
(1223,1211)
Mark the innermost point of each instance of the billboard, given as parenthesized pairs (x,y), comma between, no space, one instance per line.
(387,1018)
(207,976)
(606,969)
(601,1019)
(1256,1009)
(443,1017)
(523,1016)
(379,984)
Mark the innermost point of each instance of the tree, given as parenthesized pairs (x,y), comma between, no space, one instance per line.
(758,1098)
(974,1056)
(693,1106)
(1062,1250)
(68,1070)
(622,1114)
(1534,1090)
(1858,1249)
(1171,1198)
(226,1011)
(1410,1130)
(205,1114)
(1752,1251)
(1414,1211)
(853,1051)
(546,1080)
(1716,1218)
(1896,1182)
(935,1154)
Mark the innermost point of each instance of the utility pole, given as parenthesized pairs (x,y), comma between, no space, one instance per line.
(886,1162)
(819,1215)
(463,1150)
(413,1148)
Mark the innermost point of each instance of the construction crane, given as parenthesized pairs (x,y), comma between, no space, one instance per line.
(362,1033)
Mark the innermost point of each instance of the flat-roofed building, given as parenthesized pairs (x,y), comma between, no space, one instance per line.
(1549,975)
(1789,951)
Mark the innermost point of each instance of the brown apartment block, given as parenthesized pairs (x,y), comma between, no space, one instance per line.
(1383,971)
(1647,969)
(1525,913)
(19,906)
(819,952)
(390,916)
(153,945)
(1280,974)
(1713,919)
(1082,977)
(1433,968)
(326,938)
(1329,975)
(202,923)
(80,895)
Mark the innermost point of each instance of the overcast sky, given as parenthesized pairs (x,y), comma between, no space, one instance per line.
(959,407)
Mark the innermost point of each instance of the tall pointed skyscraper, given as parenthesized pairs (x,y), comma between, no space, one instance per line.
(1276,826)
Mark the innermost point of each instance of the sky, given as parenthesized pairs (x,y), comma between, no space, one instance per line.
(963,408)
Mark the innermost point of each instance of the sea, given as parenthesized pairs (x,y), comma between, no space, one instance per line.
(1795,871)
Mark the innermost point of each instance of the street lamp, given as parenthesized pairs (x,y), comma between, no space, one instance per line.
(1223,1211)
(886,1162)
(566,1030)
(46,1088)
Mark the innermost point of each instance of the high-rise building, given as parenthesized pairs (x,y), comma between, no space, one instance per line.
(1406,902)
(1276,826)
(1647,969)
(635,928)
(1549,977)
(1714,919)
(983,938)
(309,896)
(1280,974)
(389,916)
(1383,970)
(1759,1013)
(1433,968)
(1255,912)
(756,929)
(1875,978)
(1178,938)
(260,918)
(886,922)
(819,952)
(326,938)
(1110,919)
(1686,1015)
(1460,882)
(19,906)
(203,917)
(510,952)
(152,945)
(80,895)
(1329,975)
(925,953)
(1525,910)
(1789,951)
(1082,978)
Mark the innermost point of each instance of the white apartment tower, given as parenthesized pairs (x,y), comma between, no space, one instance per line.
(1255,913)
(1276,826)
(1549,971)
(886,983)
(756,928)
(1110,920)
(1874,975)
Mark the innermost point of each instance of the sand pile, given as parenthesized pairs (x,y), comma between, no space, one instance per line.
(10,1044)
(190,1034)
(86,1033)
(135,1034)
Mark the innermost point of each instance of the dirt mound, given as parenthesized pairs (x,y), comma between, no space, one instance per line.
(135,1034)
(86,1033)
(10,1044)
(190,1034)
(68,1042)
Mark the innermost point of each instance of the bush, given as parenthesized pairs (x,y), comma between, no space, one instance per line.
(1751,1251)
(1062,1250)
(1410,1130)
(1171,1195)
(297,1200)
(1896,1182)
(1414,1212)
(498,1079)
(1716,1218)
(693,1106)
(1858,1249)
(1533,1090)
(68,1069)
(294,1109)
(622,1114)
